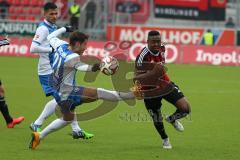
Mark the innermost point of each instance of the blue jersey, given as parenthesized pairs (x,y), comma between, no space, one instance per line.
(65,64)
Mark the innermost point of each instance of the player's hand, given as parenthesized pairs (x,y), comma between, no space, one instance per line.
(96,67)
(69,28)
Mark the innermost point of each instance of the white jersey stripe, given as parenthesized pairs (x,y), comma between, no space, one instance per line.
(141,57)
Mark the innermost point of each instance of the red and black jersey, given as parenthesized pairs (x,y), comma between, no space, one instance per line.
(146,57)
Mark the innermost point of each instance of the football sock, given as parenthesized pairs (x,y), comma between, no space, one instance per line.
(177,115)
(74,124)
(52,127)
(158,123)
(160,128)
(48,110)
(4,110)
(114,95)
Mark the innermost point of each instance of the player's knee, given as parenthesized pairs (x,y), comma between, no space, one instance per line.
(68,116)
(186,109)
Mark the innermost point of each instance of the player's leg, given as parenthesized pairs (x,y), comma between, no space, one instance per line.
(50,107)
(4,110)
(78,96)
(177,98)
(67,111)
(48,110)
(183,109)
(93,94)
(52,127)
(154,109)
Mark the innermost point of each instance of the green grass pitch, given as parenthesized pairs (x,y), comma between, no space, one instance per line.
(211,132)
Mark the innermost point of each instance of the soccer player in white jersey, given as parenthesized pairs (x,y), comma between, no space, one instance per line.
(41,45)
(65,63)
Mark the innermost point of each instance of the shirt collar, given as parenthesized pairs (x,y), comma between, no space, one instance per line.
(152,52)
(48,23)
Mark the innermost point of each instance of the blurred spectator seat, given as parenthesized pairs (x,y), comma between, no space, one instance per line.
(36,11)
(25,10)
(25,2)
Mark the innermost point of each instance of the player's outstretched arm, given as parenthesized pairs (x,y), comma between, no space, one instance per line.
(87,68)
(54,40)
(157,72)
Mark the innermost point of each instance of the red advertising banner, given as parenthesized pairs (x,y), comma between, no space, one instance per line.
(218,3)
(18,47)
(212,10)
(211,55)
(186,36)
(169,35)
(186,54)
(200,4)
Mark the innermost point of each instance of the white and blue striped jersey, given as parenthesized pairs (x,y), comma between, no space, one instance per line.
(40,38)
(65,64)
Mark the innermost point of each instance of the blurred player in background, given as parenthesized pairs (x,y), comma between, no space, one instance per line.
(41,45)
(4,42)
(11,122)
(154,54)
(65,63)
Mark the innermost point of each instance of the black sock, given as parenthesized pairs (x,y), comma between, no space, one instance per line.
(177,115)
(160,128)
(4,110)
(158,123)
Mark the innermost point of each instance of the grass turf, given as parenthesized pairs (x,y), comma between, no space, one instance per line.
(211,132)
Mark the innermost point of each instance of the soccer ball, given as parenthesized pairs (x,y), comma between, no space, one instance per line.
(109,65)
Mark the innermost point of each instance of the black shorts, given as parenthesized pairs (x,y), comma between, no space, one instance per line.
(172,97)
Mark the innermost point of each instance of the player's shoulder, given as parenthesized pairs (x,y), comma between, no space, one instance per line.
(46,27)
(142,54)
(42,28)
(71,55)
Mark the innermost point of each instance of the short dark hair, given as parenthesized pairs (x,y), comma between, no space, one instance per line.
(153,33)
(77,36)
(49,5)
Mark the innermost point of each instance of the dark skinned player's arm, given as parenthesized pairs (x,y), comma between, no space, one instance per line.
(157,71)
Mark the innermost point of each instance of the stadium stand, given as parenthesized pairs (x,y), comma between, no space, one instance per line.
(25,10)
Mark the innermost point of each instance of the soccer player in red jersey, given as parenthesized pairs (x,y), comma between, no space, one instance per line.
(152,79)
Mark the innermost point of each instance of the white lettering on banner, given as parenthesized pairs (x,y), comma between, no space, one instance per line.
(218,58)
(132,51)
(171,52)
(18,27)
(196,37)
(178,37)
(126,35)
(171,58)
(14,49)
(173,37)
(98,52)
(186,37)
(137,35)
